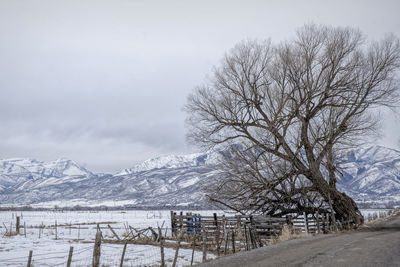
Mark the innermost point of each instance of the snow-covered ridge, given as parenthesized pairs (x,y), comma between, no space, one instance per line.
(371,174)
(171,161)
(371,154)
(175,161)
(371,171)
(39,169)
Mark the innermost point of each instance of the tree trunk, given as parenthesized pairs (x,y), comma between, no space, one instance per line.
(345,207)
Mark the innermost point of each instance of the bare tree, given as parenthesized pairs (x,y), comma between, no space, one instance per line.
(292,107)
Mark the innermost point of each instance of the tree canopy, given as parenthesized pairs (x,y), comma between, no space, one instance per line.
(291,108)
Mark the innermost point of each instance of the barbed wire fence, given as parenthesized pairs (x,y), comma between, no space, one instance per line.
(111,254)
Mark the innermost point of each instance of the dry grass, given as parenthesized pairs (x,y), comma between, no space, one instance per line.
(394,213)
(11,234)
(288,233)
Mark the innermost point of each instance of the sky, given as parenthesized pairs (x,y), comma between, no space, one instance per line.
(104,82)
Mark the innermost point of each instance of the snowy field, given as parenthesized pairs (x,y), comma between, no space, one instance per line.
(78,229)
(371,214)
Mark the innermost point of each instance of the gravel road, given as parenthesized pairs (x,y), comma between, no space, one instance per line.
(374,245)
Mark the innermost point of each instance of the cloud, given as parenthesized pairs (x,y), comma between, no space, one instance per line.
(104,82)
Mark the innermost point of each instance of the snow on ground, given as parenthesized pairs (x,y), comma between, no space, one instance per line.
(370,213)
(47,251)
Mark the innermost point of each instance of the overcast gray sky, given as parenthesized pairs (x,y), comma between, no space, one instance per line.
(104,82)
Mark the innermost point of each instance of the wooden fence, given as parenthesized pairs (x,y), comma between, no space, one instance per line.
(263,227)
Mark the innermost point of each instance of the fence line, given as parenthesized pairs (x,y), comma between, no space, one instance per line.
(206,235)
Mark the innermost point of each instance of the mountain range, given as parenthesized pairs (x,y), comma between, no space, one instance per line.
(370,174)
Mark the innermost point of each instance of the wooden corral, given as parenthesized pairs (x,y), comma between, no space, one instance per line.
(252,230)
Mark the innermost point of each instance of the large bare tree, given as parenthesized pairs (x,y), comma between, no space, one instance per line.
(291,108)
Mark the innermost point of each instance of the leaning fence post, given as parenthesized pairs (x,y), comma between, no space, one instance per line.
(96,250)
(203,234)
(177,247)
(71,250)
(161,247)
(123,254)
(114,233)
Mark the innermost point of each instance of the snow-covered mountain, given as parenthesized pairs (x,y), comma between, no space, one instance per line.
(369,174)
(18,171)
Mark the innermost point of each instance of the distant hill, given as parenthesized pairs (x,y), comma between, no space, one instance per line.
(370,174)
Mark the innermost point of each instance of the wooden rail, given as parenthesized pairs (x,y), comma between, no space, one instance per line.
(265,227)
(218,226)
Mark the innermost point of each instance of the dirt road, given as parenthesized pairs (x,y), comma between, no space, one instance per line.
(373,245)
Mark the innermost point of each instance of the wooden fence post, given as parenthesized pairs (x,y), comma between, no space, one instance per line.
(305,222)
(239,227)
(29,259)
(5,228)
(252,234)
(177,248)
(123,254)
(180,220)
(17,225)
(246,239)
(161,247)
(173,223)
(226,243)
(71,250)
(193,244)
(96,250)
(217,234)
(56,228)
(332,212)
(233,241)
(25,229)
(41,229)
(318,225)
(181,225)
(203,233)
(289,221)
(114,233)
(79,230)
